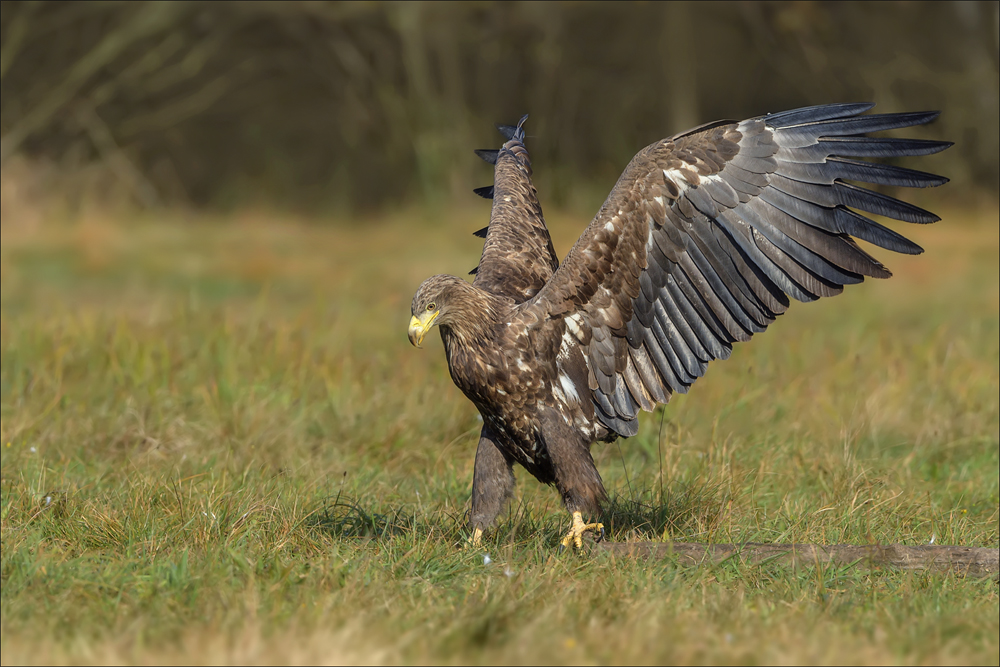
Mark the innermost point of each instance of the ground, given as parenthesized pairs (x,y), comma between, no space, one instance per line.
(219,446)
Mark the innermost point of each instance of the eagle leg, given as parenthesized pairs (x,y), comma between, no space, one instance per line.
(575,535)
(576,477)
(492,485)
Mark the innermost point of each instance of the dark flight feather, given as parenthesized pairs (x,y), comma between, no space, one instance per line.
(508,131)
(487,155)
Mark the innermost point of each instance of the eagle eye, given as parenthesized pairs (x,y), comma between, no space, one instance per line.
(431,306)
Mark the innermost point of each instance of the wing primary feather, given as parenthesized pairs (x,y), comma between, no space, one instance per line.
(485,192)
(701,292)
(880,204)
(860,124)
(847,194)
(825,173)
(861,147)
(841,220)
(815,113)
(787,243)
(518,257)
(474,271)
(808,133)
(811,285)
(867,229)
(756,261)
(763,256)
(513,131)
(833,248)
(481,233)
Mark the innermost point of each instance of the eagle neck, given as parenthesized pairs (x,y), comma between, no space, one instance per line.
(473,317)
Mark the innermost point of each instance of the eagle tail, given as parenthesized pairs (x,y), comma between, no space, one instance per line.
(513,131)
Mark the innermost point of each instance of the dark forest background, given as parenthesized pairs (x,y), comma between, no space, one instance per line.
(317,106)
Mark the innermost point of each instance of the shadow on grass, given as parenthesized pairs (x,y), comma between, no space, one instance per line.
(345,518)
(654,514)
(642,514)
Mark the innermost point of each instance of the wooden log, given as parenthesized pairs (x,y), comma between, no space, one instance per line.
(972,561)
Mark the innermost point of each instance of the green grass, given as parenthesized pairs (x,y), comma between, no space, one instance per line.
(218,446)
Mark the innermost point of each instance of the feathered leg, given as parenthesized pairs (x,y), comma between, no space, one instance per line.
(492,485)
(577,478)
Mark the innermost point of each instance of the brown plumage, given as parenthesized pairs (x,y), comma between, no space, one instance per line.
(700,244)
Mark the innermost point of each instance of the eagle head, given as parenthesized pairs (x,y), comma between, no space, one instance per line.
(431,305)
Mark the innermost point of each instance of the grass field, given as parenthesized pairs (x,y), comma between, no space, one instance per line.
(218,446)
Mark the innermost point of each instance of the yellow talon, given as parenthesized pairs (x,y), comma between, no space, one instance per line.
(575,535)
(476,540)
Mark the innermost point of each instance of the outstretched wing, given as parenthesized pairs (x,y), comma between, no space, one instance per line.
(518,257)
(707,234)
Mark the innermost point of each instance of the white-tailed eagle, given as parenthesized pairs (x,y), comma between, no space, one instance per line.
(701,243)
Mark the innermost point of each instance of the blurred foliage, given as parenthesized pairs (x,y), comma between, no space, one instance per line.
(360,105)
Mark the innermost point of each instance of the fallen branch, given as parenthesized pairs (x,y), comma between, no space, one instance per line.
(973,561)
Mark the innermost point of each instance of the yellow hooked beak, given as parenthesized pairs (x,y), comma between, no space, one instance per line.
(419,326)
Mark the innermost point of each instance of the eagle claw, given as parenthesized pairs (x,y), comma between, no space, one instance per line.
(476,539)
(575,536)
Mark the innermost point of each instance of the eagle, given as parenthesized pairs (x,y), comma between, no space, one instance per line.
(702,243)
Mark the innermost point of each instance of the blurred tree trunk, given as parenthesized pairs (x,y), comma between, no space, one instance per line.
(147,19)
(358,105)
(678,53)
(433,113)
